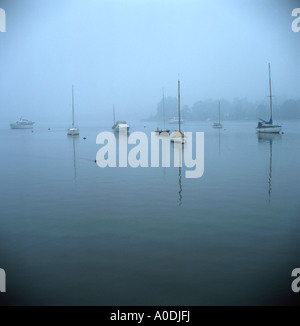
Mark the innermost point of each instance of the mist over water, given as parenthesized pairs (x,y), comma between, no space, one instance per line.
(123,52)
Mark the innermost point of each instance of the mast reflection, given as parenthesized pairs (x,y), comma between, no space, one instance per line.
(269,138)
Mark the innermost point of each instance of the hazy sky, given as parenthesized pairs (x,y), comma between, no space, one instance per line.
(123,52)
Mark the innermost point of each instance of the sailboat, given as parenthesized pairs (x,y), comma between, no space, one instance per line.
(265,126)
(177,136)
(73,131)
(164,130)
(218,124)
(119,126)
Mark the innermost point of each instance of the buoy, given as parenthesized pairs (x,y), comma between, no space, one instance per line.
(84,138)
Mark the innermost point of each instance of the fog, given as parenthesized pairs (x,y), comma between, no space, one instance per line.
(123,53)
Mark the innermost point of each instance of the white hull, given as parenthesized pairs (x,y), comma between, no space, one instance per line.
(73,132)
(269,130)
(178,137)
(175,122)
(18,126)
(122,129)
(22,124)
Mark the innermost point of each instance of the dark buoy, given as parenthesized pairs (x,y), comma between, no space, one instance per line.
(84,138)
(95,161)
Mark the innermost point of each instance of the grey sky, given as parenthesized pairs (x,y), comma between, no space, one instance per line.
(124,52)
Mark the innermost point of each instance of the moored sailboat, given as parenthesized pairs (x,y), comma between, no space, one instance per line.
(218,124)
(177,136)
(164,129)
(73,131)
(119,126)
(268,126)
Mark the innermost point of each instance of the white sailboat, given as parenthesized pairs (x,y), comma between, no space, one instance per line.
(119,126)
(268,126)
(164,129)
(218,124)
(177,136)
(73,131)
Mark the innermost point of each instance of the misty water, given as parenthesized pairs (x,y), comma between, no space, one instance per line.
(73,233)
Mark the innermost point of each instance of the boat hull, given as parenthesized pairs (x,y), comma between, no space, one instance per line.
(269,129)
(19,126)
(73,132)
(178,137)
(178,140)
(175,122)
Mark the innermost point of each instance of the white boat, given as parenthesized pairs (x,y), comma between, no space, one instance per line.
(175,121)
(22,124)
(218,124)
(120,126)
(163,130)
(268,126)
(73,131)
(177,136)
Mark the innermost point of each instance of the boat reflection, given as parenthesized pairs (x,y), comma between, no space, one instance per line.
(180,189)
(74,140)
(269,138)
(178,153)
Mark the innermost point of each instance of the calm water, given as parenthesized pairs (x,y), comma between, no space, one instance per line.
(73,233)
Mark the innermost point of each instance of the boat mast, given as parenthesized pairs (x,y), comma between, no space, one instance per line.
(271,106)
(73,106)
(179,104)
(163,91)
(114,114)
(219,113)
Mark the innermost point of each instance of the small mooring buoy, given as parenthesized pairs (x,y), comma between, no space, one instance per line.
(84,138)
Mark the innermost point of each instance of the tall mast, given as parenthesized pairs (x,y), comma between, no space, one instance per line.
(73,106)
(114,115)
(163,93)
(179,104)
(271,107)
(219,113)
